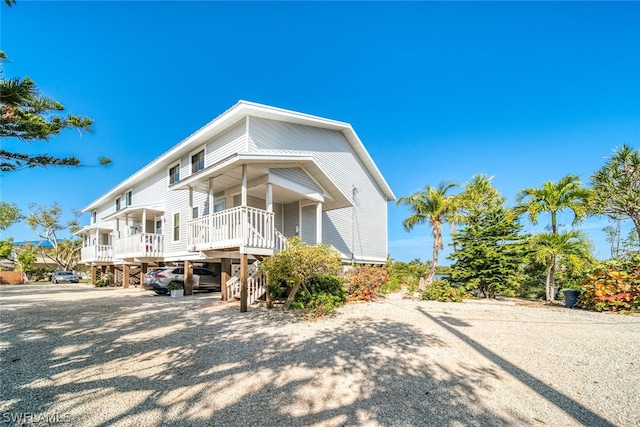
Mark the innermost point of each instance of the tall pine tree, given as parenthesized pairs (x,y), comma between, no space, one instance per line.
(489,250)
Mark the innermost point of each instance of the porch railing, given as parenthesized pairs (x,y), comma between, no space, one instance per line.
(232,228)
(141,245)
(97,253)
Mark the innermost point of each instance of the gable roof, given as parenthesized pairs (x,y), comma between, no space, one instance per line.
(229,118)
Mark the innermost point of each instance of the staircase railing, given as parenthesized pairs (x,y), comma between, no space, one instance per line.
(256,284)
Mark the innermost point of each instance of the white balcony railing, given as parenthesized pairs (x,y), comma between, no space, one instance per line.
(97,253)
(141,245)
(237,227)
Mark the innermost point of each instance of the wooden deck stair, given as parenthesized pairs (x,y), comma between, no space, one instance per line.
(256,284)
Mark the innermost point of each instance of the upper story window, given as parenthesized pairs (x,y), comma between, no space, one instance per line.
(176,227)
(118,204)
(174,174)
(94,217)
(127,198)
(197,162)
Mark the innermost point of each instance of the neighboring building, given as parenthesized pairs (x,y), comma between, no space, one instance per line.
(41,260)
(233,190)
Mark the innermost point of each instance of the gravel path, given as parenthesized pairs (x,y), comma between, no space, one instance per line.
(76,355)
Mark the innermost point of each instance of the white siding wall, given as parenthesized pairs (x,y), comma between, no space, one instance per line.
(297,176)
(278,217)
(252,201)
(334,154)
(230,142)
(291,214)
(308,224)
(149,192)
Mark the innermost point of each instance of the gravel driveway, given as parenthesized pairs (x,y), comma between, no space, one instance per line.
(77,355)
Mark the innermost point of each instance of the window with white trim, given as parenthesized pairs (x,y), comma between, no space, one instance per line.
(174,174)
(197,162)
(128,197)
(118,204)
(176,227)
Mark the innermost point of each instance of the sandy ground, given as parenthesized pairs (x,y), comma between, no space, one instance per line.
(76,355)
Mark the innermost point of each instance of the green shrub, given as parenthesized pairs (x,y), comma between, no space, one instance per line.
(40,274)
(320,295)
(175,285)
(102,283)
(363,283)
(613,286)
(393,285)
(298,263)
(441,290)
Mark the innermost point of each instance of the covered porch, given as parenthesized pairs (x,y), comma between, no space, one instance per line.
(96,244)
(243,228)
(257,200)
(137,233)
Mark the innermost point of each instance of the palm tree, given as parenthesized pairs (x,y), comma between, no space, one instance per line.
(553,197)
(617,186)
(479,193)
(433,206)
(572,246)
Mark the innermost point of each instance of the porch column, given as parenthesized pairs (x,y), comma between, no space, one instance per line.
(269,197)
(211,204)
(319,222)
(125,276)
(245,225)
(243,283)
(112,273)
(94,273)
(190,203)
(225,275)
(144,221)
(188,278)
(244,186)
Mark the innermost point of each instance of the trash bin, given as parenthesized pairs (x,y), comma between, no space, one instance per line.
(571,297)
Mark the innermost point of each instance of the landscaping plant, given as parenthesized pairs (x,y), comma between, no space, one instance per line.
(320,295)
(299,262)
(442,290)
(363,282)
(613,286)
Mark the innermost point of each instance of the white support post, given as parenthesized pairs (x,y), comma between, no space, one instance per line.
(319,222)
(211,205)
(244,186)
(144,221)
(245,225)
(269,197)
(190,203)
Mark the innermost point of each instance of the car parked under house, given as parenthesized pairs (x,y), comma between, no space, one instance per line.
(232,192)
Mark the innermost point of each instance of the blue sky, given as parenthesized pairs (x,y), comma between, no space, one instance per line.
(524,92)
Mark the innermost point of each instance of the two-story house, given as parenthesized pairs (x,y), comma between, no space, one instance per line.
(234,190)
